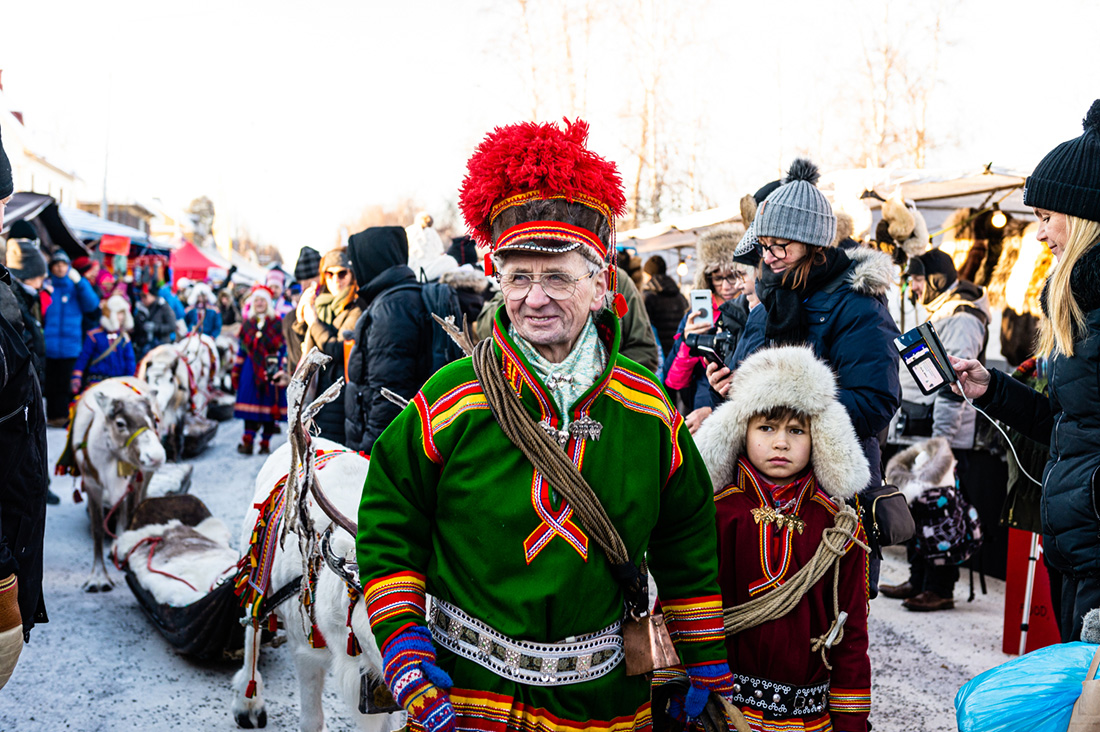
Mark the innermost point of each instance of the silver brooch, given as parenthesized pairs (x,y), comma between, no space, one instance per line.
(586,428)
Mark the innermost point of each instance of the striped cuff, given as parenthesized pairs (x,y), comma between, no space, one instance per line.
(694,620)
(393,595)
(8,583)
(849,701)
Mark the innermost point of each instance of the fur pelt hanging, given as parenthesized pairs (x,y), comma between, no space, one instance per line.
(714,249)
(905,226)
(790,376)
(1014,233)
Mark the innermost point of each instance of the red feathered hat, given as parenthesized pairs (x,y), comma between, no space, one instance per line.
(537,187)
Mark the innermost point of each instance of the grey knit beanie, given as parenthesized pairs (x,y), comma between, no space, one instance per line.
(24,259)
(1067,180)
(796,210)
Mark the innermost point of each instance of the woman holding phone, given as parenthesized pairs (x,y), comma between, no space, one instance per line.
(1064,191)
(832,300)
(717,276)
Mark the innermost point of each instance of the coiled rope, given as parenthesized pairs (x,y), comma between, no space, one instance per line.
(834,545)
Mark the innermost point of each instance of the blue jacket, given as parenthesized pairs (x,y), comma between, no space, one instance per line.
(63,328)
(850,329)
(165,291)
(211,323)
(119,362)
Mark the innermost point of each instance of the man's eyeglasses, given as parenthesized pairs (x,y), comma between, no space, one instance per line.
(338,274)
(556,285)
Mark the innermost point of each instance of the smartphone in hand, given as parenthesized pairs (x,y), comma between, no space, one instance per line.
(702,300)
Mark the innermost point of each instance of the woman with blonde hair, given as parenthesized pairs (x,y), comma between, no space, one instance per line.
(1064,191)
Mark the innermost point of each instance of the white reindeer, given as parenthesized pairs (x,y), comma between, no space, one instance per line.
(306,526)
(167,374)
(116,449)
(201,354)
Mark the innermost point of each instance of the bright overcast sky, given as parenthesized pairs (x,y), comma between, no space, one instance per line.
(294,116)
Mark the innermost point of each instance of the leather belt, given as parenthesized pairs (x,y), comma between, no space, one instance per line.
(573,660)
(780,700)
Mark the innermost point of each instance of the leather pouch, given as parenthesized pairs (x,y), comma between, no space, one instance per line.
(647,645)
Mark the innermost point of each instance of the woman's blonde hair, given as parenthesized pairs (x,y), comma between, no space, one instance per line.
(1064,317)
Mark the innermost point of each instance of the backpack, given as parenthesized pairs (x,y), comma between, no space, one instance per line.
(442,300)
(948,529)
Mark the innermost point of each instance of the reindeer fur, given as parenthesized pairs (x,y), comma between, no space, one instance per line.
(343,479)
(108,414)
(199,555)
(201,353)
(165,371)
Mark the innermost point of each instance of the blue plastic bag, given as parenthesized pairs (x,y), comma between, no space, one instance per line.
(1034,692)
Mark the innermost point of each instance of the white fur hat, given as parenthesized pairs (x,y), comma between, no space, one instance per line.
(927,464)
(790,376)
(116,314)
(200,288)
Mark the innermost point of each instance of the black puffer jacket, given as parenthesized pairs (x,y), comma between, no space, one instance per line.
(24,474)
(1069,421)
(666,305)
(391,338)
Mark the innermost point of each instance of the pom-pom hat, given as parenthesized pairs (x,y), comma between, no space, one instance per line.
(1067,180)
(537,187)
(796,210)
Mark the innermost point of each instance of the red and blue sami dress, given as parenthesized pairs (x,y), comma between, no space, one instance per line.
(755,558)
(259,400)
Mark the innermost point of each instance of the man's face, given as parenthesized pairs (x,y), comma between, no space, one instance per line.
(779,449)
(551,325)
(59,269)
(276,290)
(917,285)
(147,299)
(34,282)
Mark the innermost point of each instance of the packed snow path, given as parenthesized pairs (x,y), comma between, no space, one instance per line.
(101,665)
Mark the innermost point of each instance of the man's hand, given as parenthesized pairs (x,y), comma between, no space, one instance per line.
(697,324)
(695,420)
(720,378)
(281,379)
(973,377)
(74,386)
(417,683)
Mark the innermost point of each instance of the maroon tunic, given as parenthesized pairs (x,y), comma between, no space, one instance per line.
(753,559)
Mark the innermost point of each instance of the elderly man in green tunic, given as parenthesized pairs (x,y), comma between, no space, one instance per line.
(524,627)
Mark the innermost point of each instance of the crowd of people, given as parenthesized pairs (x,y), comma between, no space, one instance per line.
(504,491)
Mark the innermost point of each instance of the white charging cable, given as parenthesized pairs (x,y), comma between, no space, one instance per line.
(992,421)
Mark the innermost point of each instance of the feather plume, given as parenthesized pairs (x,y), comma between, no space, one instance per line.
(535,157)
(803,169)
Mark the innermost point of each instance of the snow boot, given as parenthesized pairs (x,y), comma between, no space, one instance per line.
(245,448)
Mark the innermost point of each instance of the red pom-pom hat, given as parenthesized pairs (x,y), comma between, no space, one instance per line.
(517,166)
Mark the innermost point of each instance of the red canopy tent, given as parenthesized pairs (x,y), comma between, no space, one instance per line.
(189,261)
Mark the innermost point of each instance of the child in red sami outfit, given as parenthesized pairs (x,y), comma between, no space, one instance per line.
(784,458)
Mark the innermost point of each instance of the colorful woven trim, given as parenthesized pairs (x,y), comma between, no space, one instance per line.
(8,583)
(254,576)
(850,701)
(549,230)
(521,198)
(695,620)
(390,596)
(478,711)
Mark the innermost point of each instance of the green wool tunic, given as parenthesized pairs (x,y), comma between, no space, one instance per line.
(453,508)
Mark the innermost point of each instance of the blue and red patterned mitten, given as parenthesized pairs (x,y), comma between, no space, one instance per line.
(705,680)
(680,695)
(418,685)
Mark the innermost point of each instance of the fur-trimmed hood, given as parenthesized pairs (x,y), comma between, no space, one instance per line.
(116,315)
(921,466)
(715,249)
(874,272)
(790,376)
(201,288)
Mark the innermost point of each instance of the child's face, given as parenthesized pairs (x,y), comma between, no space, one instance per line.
(779,450)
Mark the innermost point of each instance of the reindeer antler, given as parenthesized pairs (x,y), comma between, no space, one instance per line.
(463,337)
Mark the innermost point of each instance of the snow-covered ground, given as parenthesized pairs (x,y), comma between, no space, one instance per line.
(101,665)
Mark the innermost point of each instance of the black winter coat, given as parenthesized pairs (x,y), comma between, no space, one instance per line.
(391,337)
(153,325)
(30,308)
(666,306)
(1069,421)
(24,474)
